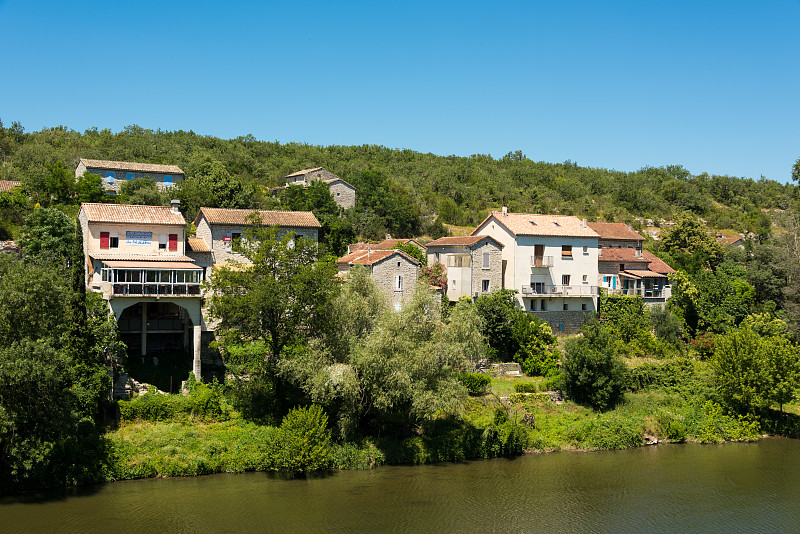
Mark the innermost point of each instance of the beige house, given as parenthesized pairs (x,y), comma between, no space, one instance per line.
(343,193)
(551,261)
(114,173)
(474,264)
(217,228)
(136,258)
(394,271)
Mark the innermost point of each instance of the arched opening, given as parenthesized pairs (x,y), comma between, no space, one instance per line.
(160,343)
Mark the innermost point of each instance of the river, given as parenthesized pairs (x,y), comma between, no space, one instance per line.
(738,487)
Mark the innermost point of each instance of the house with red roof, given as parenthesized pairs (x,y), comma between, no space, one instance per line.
(473,264)
(394,271)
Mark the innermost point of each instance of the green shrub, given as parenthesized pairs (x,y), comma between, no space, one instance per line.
(305,441)
(500,416)
(204,401)
(676,431)
(611,431)
(476,383)
(593,374)
(525,387)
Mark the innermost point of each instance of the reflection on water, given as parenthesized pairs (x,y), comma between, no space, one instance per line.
(674,488)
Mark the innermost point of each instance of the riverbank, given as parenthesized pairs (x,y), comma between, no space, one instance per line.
(500,423)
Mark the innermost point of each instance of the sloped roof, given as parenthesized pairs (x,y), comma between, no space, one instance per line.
(8,185)
(636,273)
(130,166)
(290,219)
(614,231)
(725,241)
(131,214)
(196,244)
(104,256)
(621,254)
(304,171)
(386,244)
(463,241)
(371,257)
(656,263)
(540,225)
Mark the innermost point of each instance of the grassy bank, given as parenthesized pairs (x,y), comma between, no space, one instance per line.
(671,403)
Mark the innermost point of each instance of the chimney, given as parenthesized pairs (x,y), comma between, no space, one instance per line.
(176,204)
(584,222)
(505,211)
(388,236)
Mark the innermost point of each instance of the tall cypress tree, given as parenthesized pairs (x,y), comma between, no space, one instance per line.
(78,328)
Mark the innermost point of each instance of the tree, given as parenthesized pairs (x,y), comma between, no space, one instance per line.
(626,316)
(284,291)
(60,182)
(47,234)
(593,374)
(498,312)
(89,188)
(690,245)
(141,191)
(754,372)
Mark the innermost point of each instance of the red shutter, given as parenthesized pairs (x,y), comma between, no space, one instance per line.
(173,241)
(103,239)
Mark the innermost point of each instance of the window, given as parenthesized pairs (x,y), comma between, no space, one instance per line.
(566,307)
(398,282)
(538,287)
(583,307)
(113,241)
(543,305)
(436,257)
(129,176)
(621,266)
(453,284)
(585,249)
(109,177)
(566,251)
(167,181)
(485,286)
(585,278)
(398,264)
(162,242)
(485,260)
(565,279)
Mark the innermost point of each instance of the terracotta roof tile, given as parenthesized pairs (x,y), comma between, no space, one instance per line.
(8,185)
(365,257)
(656,263)
(638,273)
(304,171)
(129,214)
(196,244)
(465,241)
(291,219)
(543,225)
(615,231)
(130,166)
(386,244)
(621,254)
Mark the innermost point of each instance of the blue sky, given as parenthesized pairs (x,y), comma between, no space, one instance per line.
(712,86)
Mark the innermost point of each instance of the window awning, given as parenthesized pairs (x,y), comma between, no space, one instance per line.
(139,257)
(641,274)
(159,265)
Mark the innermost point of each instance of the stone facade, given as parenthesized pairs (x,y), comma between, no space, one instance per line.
(123,175)
(564,322)
(468,277)
(343,193)
(386,273)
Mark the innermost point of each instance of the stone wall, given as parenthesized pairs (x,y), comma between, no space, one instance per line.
(343,194)
(571,320)
(495,271)
(385,275)
(121,176)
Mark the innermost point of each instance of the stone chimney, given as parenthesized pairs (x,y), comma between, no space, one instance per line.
(505,211)
(584,222)
(176,205)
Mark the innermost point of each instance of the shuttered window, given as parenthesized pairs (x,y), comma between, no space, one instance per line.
(173,241)
(104,239)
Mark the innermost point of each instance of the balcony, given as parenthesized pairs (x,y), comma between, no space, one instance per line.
(541,262)
(145,290)
(548,290)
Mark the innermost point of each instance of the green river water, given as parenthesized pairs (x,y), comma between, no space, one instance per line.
(753,487)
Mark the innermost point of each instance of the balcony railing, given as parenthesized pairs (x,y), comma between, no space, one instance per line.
(548,290)
(642,292)
(138,289)
(541,261)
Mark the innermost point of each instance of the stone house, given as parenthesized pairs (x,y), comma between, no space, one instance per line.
(218,227)
(551,261)
(474,264)
(7,186)
(115,172)
(394,271)
(136,259)
(343,193)
(625,268)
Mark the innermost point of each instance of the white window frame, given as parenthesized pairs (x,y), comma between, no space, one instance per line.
(163,240)
(486,260)
(398,282)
